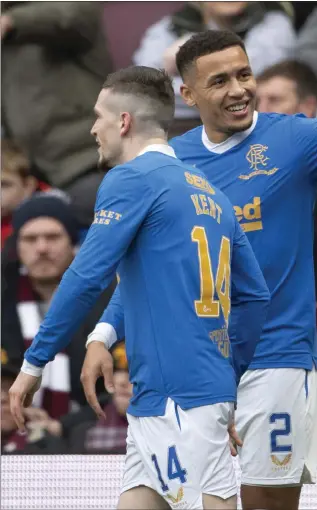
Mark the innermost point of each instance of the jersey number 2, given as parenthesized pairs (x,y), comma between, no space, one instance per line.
(207,305)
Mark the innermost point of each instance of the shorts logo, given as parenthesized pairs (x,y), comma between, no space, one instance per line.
(258,162)
(175,501)
(281,463)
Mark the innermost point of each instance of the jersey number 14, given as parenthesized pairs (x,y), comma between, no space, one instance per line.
(207,305)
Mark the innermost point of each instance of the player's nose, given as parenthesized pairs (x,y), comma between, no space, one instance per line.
(236,89)
(93,131)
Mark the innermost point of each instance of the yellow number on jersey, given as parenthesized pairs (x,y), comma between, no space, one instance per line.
(208,306)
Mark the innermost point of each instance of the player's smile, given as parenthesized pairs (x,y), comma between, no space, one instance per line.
(239,109)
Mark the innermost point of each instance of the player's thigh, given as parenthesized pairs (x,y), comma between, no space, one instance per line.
(186,453)
(270,498)
(215,503)
(210,447)
(271,421)
(134,474)
(141,498)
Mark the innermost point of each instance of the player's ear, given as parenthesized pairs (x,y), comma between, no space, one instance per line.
(187,95)
(125,123)
(308,106)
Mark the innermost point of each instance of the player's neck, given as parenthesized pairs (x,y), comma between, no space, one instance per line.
(215,136)
(133,149)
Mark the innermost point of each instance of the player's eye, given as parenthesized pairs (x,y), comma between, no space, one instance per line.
(245,75)
(218,82)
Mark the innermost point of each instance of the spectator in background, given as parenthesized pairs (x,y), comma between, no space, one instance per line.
(54,62)
(288,87)
(46,235)
(17,183)
(265,27)
(37,440)
(306,49)
(81,431)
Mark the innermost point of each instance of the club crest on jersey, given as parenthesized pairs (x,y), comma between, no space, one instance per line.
(281,464)
(258,162)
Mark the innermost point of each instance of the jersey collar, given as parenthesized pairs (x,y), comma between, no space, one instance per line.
(159,147)
(220,148)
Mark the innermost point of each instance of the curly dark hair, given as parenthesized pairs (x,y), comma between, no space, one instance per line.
(205,43)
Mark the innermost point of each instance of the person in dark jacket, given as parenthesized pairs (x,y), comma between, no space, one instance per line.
(54,62)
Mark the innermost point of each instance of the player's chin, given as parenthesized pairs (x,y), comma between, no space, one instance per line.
(239,120)
(237,125)
(103,163)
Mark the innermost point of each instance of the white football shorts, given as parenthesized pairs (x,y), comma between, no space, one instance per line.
(276,419)
(182,454)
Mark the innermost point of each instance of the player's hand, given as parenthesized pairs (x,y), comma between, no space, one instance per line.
(98,363)
(21,395)
(234,440)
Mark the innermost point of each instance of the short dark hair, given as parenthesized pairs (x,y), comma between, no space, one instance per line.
(294,70)
(153,86)
(205,43)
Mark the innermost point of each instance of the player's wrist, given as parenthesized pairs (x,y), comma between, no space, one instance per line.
(30,369)
(95,339)
(104,333)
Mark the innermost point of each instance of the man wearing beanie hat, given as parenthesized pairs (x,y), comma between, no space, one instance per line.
(52,204)
(46,235)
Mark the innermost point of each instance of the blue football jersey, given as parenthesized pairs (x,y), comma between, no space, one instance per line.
(181,256)
(269,173)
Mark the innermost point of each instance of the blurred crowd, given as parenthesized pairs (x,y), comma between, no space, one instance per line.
(55,58)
